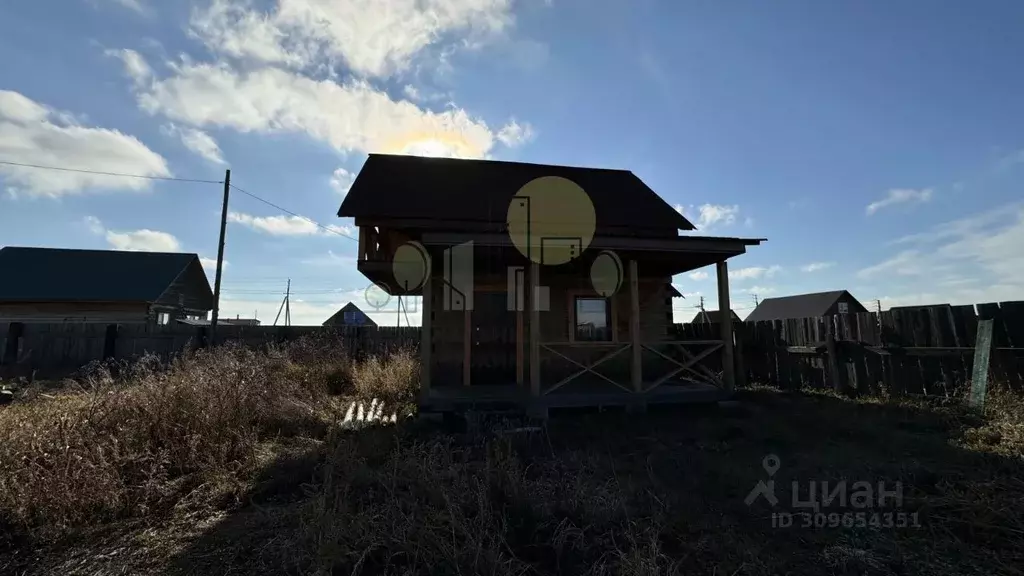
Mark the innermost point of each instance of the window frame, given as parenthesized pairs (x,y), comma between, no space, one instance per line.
(609,312)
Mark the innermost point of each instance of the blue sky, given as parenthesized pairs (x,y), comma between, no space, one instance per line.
(878,146)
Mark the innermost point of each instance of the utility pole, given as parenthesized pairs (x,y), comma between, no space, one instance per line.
(288,304)
(220,258)
(703,314)
(755,301)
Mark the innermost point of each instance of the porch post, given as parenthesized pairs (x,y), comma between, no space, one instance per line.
(634,326)
(534,309)
(425,329)
(725,315)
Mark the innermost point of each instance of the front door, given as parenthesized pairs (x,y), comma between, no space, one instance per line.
(493,333)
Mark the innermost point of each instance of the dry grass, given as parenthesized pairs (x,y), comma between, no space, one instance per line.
(595,494)
(156,438)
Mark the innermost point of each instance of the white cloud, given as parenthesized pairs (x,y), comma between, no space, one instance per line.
(708,216)
(340,230)
(900,196)
(134,5)
(412,93)
(515,134)
(287,225)
(714,214)
(698,275)
(94,225)
(143,241)
(342,180)
(966,261)
(373,38)
(135,66)
(816,266)
(905,263)
(754,272)
(348,116)
(276,225)
(759,290)
(197,141)
(32,133)
(210,265)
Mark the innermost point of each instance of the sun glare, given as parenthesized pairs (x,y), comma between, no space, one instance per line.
(431,148)
(440,144)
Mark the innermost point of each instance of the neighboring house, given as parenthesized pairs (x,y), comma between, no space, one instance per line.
(236,321)
(530,288)
(806,306)
(712,317)
(349,315)
(106,286)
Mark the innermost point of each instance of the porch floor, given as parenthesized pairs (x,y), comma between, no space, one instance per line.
(453,397)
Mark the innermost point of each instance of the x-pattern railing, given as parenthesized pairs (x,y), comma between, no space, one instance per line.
(616,349)
(691,363)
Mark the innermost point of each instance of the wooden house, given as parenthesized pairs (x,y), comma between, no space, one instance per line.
(806,306)
(712,317)
(102,286)
(544,286)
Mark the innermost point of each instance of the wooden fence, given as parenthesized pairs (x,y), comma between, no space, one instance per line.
(917,351)
(56,349)
(929,350)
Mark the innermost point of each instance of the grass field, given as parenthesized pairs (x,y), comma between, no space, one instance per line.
(233,461)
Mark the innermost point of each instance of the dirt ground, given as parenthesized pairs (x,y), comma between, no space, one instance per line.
(606,493)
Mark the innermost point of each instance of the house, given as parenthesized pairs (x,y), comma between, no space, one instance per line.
(349,315)
(105,286)
(543,286)
(806,306)
(712,317)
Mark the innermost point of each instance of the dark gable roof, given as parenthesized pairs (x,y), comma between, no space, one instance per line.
(339,316)
(390,186)
(71,275)
(797,306)
(712,317)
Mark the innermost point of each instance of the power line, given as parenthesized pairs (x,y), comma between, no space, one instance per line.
(101,173)
(310,220)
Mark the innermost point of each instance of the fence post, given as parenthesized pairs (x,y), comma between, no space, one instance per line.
(110,342)
(14,332)
(979,374)
(836,370)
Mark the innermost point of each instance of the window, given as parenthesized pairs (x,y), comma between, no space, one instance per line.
(844,308)
(593,320)
(163,318)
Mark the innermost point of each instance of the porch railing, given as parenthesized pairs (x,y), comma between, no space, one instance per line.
(690,367)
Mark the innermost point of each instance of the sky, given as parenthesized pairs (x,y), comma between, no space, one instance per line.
(877,146)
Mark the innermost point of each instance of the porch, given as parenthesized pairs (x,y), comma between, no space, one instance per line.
(641,364)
